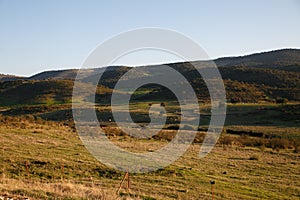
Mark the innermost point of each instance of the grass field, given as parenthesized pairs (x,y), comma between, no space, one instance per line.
(59,167)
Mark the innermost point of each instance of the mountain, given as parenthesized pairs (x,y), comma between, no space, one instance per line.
(268,76)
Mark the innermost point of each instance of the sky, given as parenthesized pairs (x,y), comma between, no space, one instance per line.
(44,35)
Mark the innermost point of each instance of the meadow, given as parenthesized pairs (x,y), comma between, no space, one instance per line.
(255,158)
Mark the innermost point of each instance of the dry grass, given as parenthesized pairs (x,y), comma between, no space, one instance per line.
(60,190)
(274,175)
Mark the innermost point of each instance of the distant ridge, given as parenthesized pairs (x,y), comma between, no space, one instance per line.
(262,77)
(271,59)
(71,73)
(57,75)
(6,77)
(282,59)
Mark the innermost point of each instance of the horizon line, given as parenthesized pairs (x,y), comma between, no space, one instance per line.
(163,63)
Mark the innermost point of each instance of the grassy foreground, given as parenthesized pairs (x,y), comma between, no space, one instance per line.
(59,167)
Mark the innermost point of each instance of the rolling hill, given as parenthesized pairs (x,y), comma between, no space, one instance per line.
(284,59)
(48,92)
(261,77)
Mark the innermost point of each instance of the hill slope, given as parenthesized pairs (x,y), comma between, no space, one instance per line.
(285,59)
(41,92)
(267,76)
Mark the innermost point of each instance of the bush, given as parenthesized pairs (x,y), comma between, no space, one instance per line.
(279,143)
(282,100)
(276,143)
(173,127)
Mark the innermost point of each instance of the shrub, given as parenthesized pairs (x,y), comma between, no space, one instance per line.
(282,100)
(173,127)
(279,143)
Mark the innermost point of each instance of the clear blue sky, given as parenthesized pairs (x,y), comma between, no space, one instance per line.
(38,35)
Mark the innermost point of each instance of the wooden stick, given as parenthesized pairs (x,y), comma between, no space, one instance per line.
(126,174)
(128,182)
